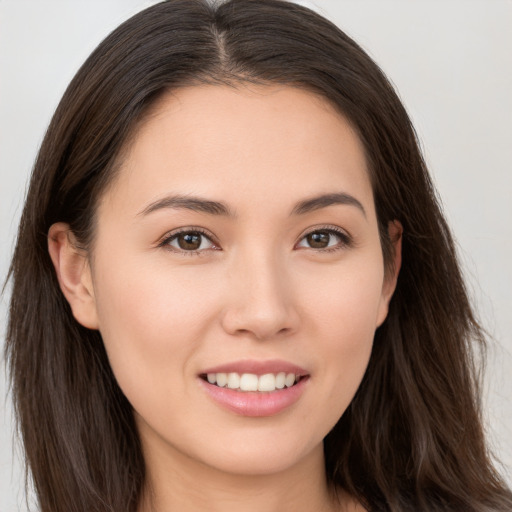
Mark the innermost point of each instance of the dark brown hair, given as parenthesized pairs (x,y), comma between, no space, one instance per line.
(412,438)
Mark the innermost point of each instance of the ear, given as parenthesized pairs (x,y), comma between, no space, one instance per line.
(395,231)
(74,274)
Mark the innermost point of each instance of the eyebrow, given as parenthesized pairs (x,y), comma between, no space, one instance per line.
(210,207)
(325,200)
(196,204)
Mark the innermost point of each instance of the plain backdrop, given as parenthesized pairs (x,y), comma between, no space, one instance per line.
(451,63)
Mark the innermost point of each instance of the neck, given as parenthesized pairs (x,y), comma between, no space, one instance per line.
(176,482)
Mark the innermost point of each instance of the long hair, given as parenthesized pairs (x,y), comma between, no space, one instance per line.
(412,438)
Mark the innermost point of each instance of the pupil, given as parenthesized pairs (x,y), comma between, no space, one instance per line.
(190,241)
(318,240)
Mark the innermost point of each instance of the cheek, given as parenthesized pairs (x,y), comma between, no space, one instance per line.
(344,317)
(346,302)
(151,323)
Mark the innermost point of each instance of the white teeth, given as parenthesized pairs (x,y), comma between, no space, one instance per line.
(233,380)
(249,382)
(222,379)
(267,382)
(289,380)
(253,382)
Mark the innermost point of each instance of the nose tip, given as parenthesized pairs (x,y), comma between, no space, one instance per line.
(261,332)
(256,325)
(261,305)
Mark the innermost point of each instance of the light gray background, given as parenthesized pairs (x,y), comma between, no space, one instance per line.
(451,62)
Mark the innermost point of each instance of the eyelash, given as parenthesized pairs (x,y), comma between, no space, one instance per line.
(165,243)
(345,240)
(344,243)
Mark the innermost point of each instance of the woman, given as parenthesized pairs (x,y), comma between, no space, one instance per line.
(254,298)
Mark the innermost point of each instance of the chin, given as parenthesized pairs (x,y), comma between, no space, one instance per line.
(260,462)
(260,451)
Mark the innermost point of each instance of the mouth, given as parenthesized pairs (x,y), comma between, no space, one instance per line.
(255,388)
(247,382)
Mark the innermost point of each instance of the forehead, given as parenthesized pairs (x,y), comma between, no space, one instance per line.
(259,142)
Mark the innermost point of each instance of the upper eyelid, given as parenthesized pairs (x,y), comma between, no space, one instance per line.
(326,227)
(345,240)
(196,229)
(189,229)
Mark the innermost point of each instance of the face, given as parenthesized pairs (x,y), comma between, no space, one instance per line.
(239,243)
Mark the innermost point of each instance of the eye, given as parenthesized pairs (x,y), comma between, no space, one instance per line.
(328,239)
(190,241)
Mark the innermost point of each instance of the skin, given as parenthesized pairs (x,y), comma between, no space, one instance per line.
(256,289)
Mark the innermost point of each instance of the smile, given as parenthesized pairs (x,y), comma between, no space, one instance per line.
(255,388)
(251,382)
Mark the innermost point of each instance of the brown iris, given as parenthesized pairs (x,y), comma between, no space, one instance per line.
(189,241)
(318,239)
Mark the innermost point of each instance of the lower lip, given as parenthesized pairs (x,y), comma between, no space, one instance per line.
(255,403)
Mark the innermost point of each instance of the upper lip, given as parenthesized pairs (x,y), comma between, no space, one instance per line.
(257,367)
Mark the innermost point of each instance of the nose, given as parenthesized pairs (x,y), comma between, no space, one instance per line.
(260,299)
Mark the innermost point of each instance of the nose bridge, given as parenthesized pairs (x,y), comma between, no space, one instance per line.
(260,300)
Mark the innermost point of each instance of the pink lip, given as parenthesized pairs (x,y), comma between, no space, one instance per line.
(255,403)
(252,403)
(257,367)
